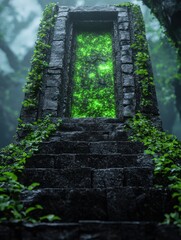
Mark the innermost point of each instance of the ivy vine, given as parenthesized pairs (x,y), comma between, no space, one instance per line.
(165,148)
(39,59)
(93,93)
(166,152)
(13,159)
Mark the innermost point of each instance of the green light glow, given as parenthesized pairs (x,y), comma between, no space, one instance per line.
(93,92)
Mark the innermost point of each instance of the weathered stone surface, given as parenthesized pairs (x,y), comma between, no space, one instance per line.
(66,178)
(128,89)
(128,111)
(103,147)
(73,204)
(138,176)
(126,59)
(86,230)
(123,26)
(127,68)
(129,95)
(124,35)
(96,161)
(106,178)
(128,80)
(123,18)
(127,102)
(136,204)
(57,54)
(51,98)
(53,80)
(62,14)
(50,104)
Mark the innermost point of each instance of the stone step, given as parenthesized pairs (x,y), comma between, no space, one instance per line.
(88,177)
(102,147)
(90,230)
(118,135)
(64,161)
(90,124)
(111,204)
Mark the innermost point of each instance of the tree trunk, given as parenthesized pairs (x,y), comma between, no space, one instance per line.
(168,12)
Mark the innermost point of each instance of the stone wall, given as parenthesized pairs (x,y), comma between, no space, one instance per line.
(55,96)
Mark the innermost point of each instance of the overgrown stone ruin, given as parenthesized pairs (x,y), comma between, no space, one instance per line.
(91,175)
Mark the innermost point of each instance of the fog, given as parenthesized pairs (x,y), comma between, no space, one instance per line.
(19,24)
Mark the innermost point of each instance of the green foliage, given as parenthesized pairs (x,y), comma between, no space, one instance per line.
(93,93)
(125,4)
(166,152)
(13,159)
(142,58)
(34,79)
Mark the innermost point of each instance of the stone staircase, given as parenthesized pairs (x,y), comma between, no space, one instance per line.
(99,183)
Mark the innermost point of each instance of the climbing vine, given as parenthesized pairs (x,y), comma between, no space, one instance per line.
(39,60)
(93,93)
(166,152)
(165,148)
(13,159)
(140,48)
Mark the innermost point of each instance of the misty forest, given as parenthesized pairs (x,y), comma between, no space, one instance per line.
(19,23)
(81,139)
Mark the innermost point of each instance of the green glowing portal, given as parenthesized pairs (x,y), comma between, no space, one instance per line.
(93,91)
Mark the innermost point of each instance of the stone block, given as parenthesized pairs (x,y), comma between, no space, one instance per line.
(55,70)
(122,14)
(106,178)
(63,14)
(72,204)
(66,178)
(127,68)
(103,147)
(59,35)
(128,89)
(52,93)
(128,80)
(145,161)
(136,176)
(47,231)
(123,26)
(127,102)
(64,147)
(128,111)
(135,204)
(129,147)
(53,80)
(123,18)
(57,54)
(50,104)
(129,96)
(126,59)
(124,35)
(38,161)
(125,48)
(60,24)
(56,61)
(127,52)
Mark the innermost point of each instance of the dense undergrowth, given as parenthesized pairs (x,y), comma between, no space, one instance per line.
(166,152)
(165,148)
(39,59)
(93,92)
(14,156)
(13,159)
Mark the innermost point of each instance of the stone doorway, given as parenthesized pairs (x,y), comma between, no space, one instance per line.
(93,75)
